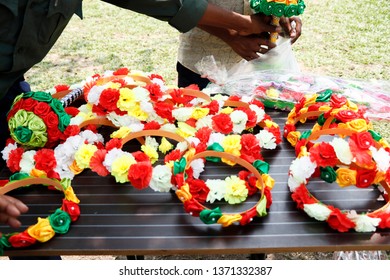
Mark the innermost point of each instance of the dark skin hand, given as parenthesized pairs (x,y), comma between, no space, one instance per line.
(10,210)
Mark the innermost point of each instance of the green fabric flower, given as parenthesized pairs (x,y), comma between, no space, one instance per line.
(261,207)
(324,96)
(306,134)
(328,174)
(210,216)
(179,166)
(375,135)
(261,166)
(60,221)
(215,147)
(18,176)
(23,134)
(39,96)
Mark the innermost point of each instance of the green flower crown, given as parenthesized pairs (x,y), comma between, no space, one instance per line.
(286,8)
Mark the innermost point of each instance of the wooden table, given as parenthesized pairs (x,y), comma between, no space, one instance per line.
(120,220)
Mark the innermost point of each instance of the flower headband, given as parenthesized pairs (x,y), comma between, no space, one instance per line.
(360,162)
(46,228)
(193,192)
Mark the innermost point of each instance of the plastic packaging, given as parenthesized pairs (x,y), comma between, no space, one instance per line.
(360,255)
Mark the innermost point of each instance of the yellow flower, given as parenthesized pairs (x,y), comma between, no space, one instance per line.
(113,85)
(184,193)
(69,195)
(228,219)
(37,173)
(268,181)
(120,167)
(199,113)
(165,146)
(273,93)
(358,125)
(138,113)
(75,168)
(352,106)
(232,145)
(379,177)
(310,99)
(83,155)
(324,108)
(41,231)
(150,152)
(346,177)
(270,124)
(383,143)
(293,137)
(190,153)
(227,110)
(121,132)
(236,191)
(184,130)
(126,99)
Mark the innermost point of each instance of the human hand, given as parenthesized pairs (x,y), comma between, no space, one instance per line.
(10,209)
(250,47)
(258,24)
(292,27)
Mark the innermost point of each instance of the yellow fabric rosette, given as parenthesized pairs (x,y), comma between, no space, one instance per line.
(228,219)
(184,193)
(346,177)
(41,231)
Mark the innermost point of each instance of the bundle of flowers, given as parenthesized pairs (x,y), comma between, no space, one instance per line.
(37,120)
(361,161)
(46,228)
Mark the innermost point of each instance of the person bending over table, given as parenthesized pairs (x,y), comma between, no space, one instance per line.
(30,28)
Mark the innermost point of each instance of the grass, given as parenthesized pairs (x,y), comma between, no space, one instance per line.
(339,38)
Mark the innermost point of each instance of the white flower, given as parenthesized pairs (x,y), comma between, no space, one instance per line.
(161,179)
(170,127)
(141,94)
(147,107)
(204,122)
(317,211)
(112,155)
(259,112)
(94,94)
(91,137)
(152,142)
(216,138)
(182,114)
(302,168)
(342,150)
(197,167)
(267,139)
(122,120)
(363,223)
(7,150)
(27,163)
(292,183)
(382,158)
(217,190)
(182,146)
(193,140)
(239,119)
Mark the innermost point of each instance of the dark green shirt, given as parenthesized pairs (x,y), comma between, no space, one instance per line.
(29,28)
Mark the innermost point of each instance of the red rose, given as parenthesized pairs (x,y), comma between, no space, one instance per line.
(109,99)
(248,216)
(301,143)
(15,156)
(73,209)
(51,120)
(203,134)
(346,116)
(72,111)
(155,92)
(288,128)
(250,148)
(29,104)
(222,123)
(323,154)
(365,177)
(22,239)
(363,158)
(114,143)
(213,106)
(96,163)
(140,174)
(385,219)
(70,130)
(363,140)
(337,100)
(301,196)
(45,160)
(339,221)
(121,71)
(152,125)
(193,207)
(15,107)
(198,189)
(42,109)
(164,110)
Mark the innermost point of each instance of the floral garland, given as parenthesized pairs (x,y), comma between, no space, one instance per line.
(194,192)
(46,228)
(278,8)
(360,161)
(322,106)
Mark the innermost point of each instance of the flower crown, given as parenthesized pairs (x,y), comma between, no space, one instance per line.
(194,192)
(359,161)
(278,8)
(46,228)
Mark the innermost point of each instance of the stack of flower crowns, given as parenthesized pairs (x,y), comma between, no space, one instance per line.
(355,156)
(66,141)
